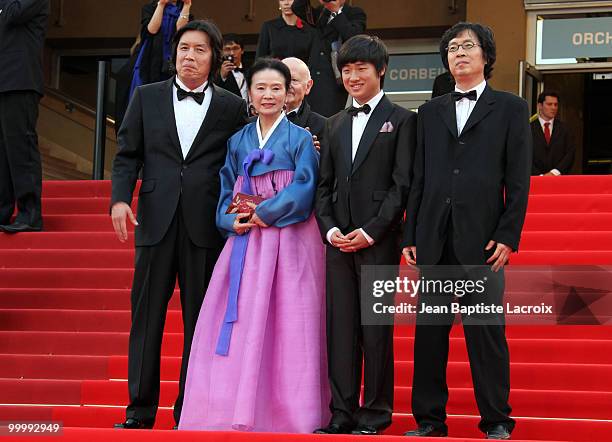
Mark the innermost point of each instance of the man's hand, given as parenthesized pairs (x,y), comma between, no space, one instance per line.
(338,240)
(333,6)
(501,255)
(242,228)
(315,140)
(357,241)
(119,213)
(410,255)
(226,68)
(549,174)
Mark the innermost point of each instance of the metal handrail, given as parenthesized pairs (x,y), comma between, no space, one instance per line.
(75,104)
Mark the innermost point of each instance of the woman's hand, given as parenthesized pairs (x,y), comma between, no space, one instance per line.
(242,228)
(187,3)
(255,219)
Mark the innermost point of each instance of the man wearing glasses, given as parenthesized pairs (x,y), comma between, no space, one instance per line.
(473,148)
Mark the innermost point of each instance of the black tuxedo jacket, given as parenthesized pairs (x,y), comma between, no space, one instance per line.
(328,96)
(369,192)
(465,176)
(230,84)
(148,139)
(306,118)
(23,25)
(559,154)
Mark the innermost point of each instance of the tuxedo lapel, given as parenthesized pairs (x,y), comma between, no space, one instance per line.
(484,105)
(345,132)
(216,109)
(380,114)
(448,113)
(166,104)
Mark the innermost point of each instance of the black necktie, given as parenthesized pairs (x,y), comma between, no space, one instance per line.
(353,111)
(181,94)
(471,95)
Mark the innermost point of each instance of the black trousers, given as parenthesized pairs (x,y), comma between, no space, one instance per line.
(349,343)
(156,270)
(487,352)
(20,167)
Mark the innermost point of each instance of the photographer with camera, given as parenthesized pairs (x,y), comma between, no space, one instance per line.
(231,75)
(334,22)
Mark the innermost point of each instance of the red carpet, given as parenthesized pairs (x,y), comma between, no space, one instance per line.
(64,323)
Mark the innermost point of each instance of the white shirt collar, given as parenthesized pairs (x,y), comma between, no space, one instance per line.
(182,85)
(262,140)
(373,101)
(479,89)
(294,110)
(542,120)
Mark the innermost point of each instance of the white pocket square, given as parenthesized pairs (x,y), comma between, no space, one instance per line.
(387,127)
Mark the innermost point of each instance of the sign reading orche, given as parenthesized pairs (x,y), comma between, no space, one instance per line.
(589,37)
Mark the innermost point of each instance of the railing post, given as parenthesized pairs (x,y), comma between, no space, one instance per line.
(100,129)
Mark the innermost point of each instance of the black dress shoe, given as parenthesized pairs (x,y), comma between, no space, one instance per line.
(499,432)
(427,431)
(133,424)
(365,430)
(20,227)
(333,429)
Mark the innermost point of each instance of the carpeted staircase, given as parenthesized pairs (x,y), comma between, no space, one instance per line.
(64,323)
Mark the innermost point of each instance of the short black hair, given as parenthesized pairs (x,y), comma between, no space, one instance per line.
(233,38)
(367,49)
(214,36)
(485,38)
(261,64)
(543,95)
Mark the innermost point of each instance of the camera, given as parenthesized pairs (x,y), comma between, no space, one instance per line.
(229,58)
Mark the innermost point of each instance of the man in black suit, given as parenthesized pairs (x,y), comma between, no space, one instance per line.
(553,147)
(232,74)
(176,132)
(364,178)
(335,22)
(466,206)
(298,109)
(23,25)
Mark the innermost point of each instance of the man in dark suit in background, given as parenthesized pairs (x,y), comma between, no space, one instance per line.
(176,131)
(298,109)
(364,178)
(467,206)
(553,146)
(335,22)
(23,25)
(232,73)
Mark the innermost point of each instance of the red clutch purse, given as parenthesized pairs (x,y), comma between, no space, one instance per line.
(239,203)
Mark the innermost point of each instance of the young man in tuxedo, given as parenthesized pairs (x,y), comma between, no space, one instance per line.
(466,206)
(335,22)
(23,26)
(231,74)
(176,132)
(298,109)
(553,147)
(364,178)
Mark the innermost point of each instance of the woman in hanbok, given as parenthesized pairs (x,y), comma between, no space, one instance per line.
(258,358)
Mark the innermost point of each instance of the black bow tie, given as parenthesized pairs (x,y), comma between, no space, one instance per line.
(353,111)
(181,94)
(291,116)
(471,95)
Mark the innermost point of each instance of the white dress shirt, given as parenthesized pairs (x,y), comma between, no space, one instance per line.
(465,106)
(552,123)
(189,115)
(359,124)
